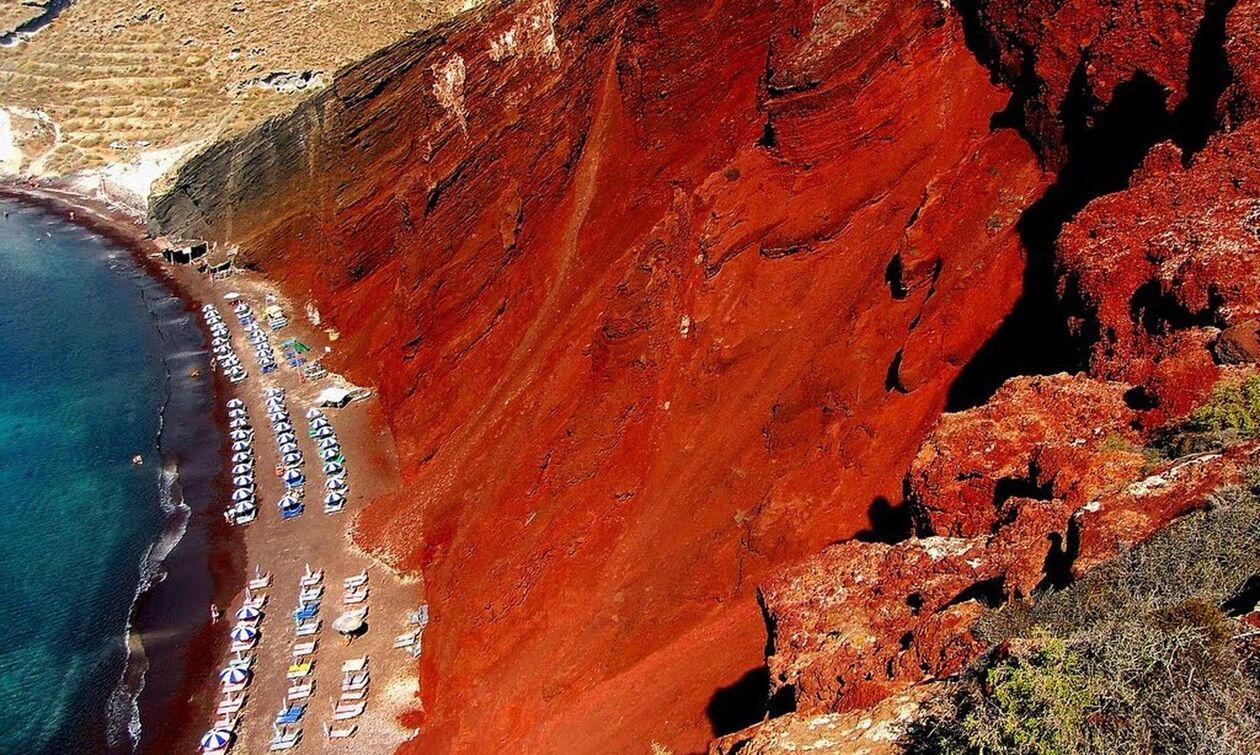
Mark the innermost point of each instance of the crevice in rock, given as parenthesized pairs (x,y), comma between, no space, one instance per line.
(1196,118)
(889,524)
(1034,339)
(1159,312)
(741,704)
(893,276)
(892,378)
(990,593)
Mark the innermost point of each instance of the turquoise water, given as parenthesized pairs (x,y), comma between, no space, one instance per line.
(81,389)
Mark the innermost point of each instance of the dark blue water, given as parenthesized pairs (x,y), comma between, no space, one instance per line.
(82,388)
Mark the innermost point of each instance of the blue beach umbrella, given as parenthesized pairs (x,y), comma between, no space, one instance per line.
(216,739)
(289,502)
(241,446)
(313,413)
(241,469)
(293,478)
(336,483)
(292,460)
(233,675)
(242,633)
(328,454)
(326,442)
(324,432)
(241,457)
(289,448)
(247,613)
(242,494)
(333,468)
(334,498)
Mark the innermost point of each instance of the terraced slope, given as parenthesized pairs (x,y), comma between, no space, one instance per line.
(122,77)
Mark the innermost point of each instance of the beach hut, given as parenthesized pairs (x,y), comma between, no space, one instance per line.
(247,613)
(334,397)
(216,740)
(293,478)
(242,633)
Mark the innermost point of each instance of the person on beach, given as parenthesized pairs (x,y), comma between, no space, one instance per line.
(214,614)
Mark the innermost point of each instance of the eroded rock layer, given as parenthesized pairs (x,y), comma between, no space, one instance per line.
(659,296)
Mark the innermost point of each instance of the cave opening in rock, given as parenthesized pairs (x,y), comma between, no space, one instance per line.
(741,704)
(1103,150)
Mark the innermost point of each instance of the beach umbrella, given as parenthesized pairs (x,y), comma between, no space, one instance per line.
(292,460)
(293,477)
(324,432)
(242,469)
(234,403)
(285,437)
(241,446)
(243,481)
(242,633)
(236,413)
(328,454)
(247,613)
(333,468)
(239,435)
(336,483)
(284,427)
(289,502)
(216,739)
(239,423)
(242,495)
(313,413)
(289,448)
(349,622)
(275,417)
(242,457)
(273,391)
(320,422)
(244,507)
(326,442)
(334,498)
(233,675)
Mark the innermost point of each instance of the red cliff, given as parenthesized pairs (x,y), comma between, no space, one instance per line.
(663,296)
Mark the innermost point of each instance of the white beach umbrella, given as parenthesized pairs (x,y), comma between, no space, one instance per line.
(233,675)
(244,507)
(239,435)
(334,498)
(336,483)
(328,454)
(286,437)
(284,426)
(241,446)
(242,495)
(326,442)
(292,460)
(243,481)
(324,432)
(293,477)
(289,502)
(234,403)
(247,613)
(242,633)
(333,468)
(320,422)
(242,469)
(215,739)
(289,448)
(313,413)
(242,457)
(238,423)
(236,413)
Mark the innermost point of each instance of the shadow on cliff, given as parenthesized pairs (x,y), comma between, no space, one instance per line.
(1102,149)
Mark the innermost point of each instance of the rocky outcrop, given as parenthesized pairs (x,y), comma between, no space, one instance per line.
(658,296)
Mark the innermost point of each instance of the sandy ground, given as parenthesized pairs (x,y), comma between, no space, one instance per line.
(285,548)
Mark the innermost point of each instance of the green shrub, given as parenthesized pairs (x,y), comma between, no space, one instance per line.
(1233,406)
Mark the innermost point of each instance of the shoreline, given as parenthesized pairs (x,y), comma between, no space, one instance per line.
(177,700)
(170,663)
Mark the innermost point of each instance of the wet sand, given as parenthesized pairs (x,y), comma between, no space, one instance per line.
(181,687)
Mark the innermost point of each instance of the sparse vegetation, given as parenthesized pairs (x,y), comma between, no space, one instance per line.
(1231,414)
(1144,655)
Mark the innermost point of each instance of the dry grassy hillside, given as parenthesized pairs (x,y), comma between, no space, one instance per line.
(118,77)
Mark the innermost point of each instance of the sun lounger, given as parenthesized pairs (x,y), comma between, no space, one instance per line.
(406,640)
(231,704)
(307,628)
(300,691)
(340,732)
(291,714)
(311,578)
(357,580)
(419,617)
(355,597)
(299,670)
(346,712)
(354,665)
(242,647)
(311,594)
(258,601)
(357,682)
(227,722)
(304,648)
(241,661)
(353,696)
(238,687)
(285,740)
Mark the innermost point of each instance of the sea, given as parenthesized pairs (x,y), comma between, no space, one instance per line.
(95,358)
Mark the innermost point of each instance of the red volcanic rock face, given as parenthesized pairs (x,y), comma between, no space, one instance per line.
(658,297)
(862,621)
(1160,267)
(1071,56)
